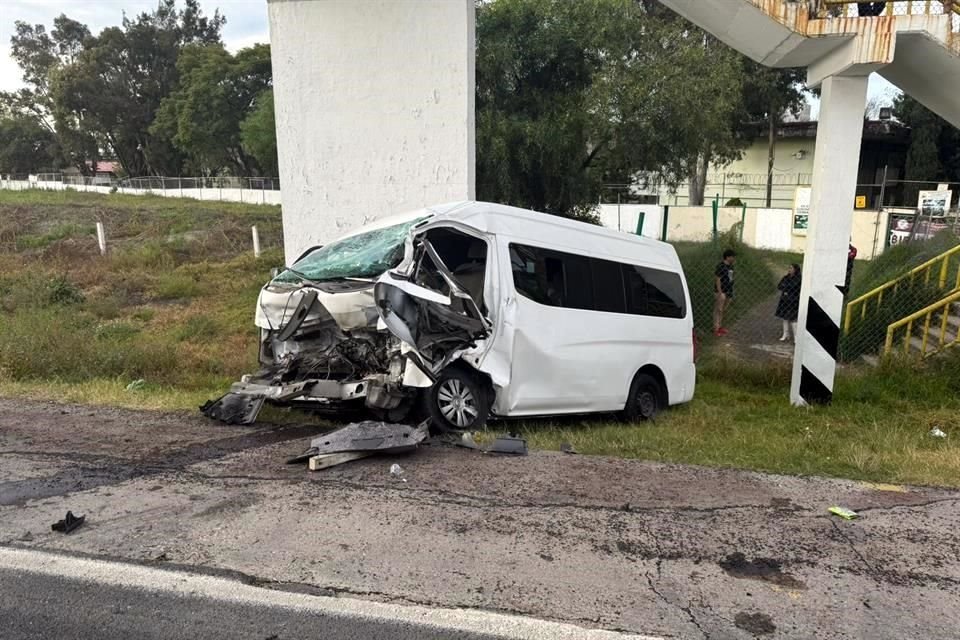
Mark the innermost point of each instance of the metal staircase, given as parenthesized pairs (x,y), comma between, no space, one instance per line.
(928,331)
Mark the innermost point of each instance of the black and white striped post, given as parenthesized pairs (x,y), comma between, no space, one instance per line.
(835,167)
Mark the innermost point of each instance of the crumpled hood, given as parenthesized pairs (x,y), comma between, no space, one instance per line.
(349,309)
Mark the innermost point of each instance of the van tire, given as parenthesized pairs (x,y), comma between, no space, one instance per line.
(646,399)
(457,401)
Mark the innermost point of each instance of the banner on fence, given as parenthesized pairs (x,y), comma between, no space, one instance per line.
(801,210)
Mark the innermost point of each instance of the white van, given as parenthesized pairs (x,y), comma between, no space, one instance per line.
(471,310)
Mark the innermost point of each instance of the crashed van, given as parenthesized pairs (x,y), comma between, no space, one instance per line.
(471,310)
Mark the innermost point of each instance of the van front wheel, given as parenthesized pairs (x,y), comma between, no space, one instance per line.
(458,401)
(646,399)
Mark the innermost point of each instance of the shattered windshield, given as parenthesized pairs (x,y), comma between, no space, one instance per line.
(361,256)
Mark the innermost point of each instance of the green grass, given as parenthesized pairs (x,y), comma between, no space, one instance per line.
(172,303)
(876,429)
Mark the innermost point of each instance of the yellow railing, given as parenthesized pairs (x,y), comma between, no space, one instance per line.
(944,307)
(939,265)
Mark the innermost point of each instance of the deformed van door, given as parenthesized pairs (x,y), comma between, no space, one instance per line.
(429,308)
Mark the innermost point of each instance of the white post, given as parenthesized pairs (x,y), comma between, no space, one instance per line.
(256,241)
(836,161)
(101,239)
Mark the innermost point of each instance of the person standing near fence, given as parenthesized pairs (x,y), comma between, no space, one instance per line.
(723,289)
(788,308)
(851,256)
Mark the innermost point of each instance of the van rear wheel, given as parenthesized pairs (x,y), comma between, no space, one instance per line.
(458,401)
(646,399)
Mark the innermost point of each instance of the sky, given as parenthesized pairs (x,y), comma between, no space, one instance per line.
(246,22)
(246,25)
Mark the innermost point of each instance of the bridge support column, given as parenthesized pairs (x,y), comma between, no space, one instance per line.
(374,104)
(835,168)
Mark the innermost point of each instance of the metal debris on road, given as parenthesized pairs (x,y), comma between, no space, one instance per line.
(936,432)
(361,440)
(510,444)
(69,523)
(843,512)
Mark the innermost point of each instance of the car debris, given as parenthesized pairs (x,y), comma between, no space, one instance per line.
(843,512)
(69,523)
(510,444)
(361,440)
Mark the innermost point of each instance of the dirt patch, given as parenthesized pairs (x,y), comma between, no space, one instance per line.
(759,624)
(763,569)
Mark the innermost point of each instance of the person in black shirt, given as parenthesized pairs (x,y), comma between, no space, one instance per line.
(788,308)
(723,288)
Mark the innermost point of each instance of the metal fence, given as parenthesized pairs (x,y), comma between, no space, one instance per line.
(850,9)
(739,189)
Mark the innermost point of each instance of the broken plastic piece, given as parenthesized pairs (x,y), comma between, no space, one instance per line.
(69,523)
(509,444)
(843,512)
(936,432)
(234,408)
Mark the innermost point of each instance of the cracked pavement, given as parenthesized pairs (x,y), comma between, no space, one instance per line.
(663,550)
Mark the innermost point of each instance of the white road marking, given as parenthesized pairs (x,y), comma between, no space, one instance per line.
(215,588)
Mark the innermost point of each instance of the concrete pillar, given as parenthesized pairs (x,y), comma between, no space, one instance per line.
(374,104)
(835,165)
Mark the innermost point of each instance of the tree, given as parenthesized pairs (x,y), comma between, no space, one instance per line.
(113,88)
(573,94)
(934,152)
(40,55)
(26,146)
(768,95)
(258,134)
(216,93)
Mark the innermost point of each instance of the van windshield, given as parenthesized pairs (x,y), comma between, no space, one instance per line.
(364,255)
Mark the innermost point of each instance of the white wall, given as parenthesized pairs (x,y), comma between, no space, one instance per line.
(624,217)
(251,196)
(375,110)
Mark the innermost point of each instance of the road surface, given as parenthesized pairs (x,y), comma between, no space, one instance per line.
(600,543)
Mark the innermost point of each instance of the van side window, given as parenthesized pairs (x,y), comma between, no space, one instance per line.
(652,292)
(608,286)
(559,279)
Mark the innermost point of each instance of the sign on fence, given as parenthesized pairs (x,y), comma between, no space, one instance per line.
(801,210)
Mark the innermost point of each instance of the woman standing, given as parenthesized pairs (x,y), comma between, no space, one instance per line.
(789,306)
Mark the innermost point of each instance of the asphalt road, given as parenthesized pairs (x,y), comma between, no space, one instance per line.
(44,596)
(598,543)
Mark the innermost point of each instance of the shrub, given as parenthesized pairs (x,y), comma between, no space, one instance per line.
(60,291)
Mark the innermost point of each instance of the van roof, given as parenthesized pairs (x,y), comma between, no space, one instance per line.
(564,233)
